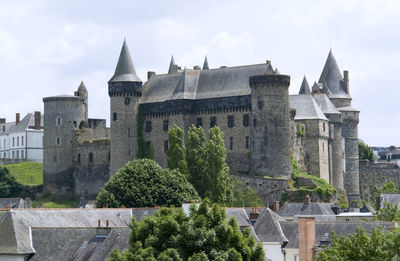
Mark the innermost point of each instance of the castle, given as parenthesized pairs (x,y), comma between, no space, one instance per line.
(263,125)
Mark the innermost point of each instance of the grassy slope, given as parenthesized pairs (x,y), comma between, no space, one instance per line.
(27,173)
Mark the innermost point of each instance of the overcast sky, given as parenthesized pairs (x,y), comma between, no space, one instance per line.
(48,47)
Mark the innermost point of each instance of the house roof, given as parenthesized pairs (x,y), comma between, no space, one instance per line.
(325,104)
(240,214)
(332,78)
(304,88)
(202,84)
(125,71)
(12,203)
(314,208)
(26,123)
(393,199)
(306,107)
(268,228)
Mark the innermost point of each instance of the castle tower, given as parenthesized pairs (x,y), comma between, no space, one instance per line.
(83,93)
(124,89)
(337,89)
(270,131)
(62,114)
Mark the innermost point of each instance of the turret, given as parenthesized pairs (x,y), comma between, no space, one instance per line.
(205,64)
(83,93)
(270,131)
(125,90)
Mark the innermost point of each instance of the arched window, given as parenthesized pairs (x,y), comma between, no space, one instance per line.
(58,140)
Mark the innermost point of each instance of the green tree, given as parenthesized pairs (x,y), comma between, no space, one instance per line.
(216,177)
(244,196)
(373,246)
(388,188)
(365,152)
(143,183)
(388,213)
(196,155)
(8,186)
(201,236)
(176,150)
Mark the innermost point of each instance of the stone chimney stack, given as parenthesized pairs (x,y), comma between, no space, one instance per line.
(37,120)
(150,74)
(307,200)
(346,81)
(17,116)
(306,226)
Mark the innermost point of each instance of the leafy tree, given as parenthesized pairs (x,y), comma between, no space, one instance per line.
(143,183)
(388,213)
(216,177)
(8,186)
(365,152)
(244,196)
(176,150)
(376,245)
(388,188)
(196,156)
(203,235)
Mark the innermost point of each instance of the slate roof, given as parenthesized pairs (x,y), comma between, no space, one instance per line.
(325,104)
(304,88)
(26,123)
(314,208)
(332,78)
(202,84)
(125,71)
(205,64)
(306,107)
(393,199)
(268,228)
(82,87)
(240,214)
(171,65)
(12,202)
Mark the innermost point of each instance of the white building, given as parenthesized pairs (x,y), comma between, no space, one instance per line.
(22,139)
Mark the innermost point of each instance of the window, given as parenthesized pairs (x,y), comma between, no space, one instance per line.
(22,154)
(58,121)
(165,125)
(231,143)
(165,145)
(114,116)
(323,146)
(12,153)
(54,158)
(58,140)
(13,141)
(129,152)
(246,120)
(231,121)
(129,132)
(213,121)
(17,154)
(75,124)
(260,105)
(90,157)
(22,140)
(247,142)
(17,141)
(199,122)
(254,122)
(323,126)
(79,158)
(148,126)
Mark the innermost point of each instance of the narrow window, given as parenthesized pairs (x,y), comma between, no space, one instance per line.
(22,140)
(231,143)
(129,132)
(58,140)
(247,142)
(22,154)
(129,152)
(12,153)
(109,156)
(148,126)
(17,154)
(165,125)
(90,157)
(254,122)
(231,121)
(213,121)
(17,141)
(199,122)
(165,145)
(246,121)
(323,126)
(13,141)
(323,146)
(79,158)
(58,121)
(75,124)
(54,158)
(114,116)
(260,105)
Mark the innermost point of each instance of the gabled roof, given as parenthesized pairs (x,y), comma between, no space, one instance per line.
(304,88)
(267,227)
(306,107)
(125,71)
(325,104)
(313,208)
(332,78)
(27,122)
(240,214)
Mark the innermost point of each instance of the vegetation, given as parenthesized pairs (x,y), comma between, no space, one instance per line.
(376,245)
(145,151)
(388,188)
(204,235)
(48,200)
(244,196)
(301,132)
(143,183)
(343,202)
(365,151)
(176,150)
(9,187)
(388,213)
(27,173)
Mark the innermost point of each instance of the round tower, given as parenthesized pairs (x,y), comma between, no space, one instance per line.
(270,131)
(62,114)
(125,90)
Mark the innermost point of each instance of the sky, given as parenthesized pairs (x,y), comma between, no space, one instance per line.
(48,47)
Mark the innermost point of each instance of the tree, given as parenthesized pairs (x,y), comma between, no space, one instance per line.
(143,183)
(9,187)
(244,196)
(388,213)
(365,152)
(376,245)
(196,156)
(388,188)
(176,150)
(216,177)
(203,235)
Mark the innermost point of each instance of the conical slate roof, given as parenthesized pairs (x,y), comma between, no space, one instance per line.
(125,72)
(205,65)
(332,77)
(82,87)
(171,65)
(304,88)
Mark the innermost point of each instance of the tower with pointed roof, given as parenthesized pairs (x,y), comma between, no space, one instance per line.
(125,90)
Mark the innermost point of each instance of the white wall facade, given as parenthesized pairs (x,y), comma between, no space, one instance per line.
(273,251)
(292,254)
(5,257)
(27,145)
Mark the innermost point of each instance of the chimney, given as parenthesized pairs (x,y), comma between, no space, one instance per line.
(37,120)
(307,200)
(306,226)
(150,74)
(107,223)
(346,80)
(16,118)
(2,120)
(196,67)
(276,205)
(99,223)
